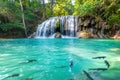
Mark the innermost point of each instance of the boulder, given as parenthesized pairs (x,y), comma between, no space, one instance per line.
(58,35)
(32,35)
(84,34)
(117,37)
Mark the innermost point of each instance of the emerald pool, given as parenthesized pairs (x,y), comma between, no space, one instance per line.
(49,59)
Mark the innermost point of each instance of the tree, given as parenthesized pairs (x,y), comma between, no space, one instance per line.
(23,18)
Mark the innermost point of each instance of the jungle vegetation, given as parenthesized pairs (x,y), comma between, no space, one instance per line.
(20,18)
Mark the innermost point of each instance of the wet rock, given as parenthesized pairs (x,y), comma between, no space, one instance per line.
(84,34)
(32,35)
(58,35)
(117,36)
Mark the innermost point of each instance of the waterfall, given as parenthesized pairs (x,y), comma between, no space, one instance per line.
(47,28)
(71,26)
(68,27)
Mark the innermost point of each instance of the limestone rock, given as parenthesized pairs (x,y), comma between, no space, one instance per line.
(117,37)
(84,34)
(86,22)
(58,35)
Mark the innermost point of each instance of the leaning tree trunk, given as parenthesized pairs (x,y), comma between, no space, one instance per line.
(23,17)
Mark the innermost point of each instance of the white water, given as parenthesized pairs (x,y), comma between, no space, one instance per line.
(68,27)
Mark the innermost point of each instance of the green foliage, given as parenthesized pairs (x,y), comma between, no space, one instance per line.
(114,19)
(63,7)
(85,7)
(57,24)
(59,10)
(9,26)
(35,12)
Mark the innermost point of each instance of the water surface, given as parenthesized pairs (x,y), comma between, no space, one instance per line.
(50,59)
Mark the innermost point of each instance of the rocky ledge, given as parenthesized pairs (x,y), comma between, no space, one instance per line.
(117,35)
(84,34)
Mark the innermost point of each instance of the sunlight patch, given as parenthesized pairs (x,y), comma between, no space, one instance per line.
(114,49)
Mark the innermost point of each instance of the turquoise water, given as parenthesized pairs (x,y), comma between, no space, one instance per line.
(50,58)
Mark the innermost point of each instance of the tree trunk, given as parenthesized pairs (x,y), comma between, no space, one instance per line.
(44,10)
(23,17)
(52,3)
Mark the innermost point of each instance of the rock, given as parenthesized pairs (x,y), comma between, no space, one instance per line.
(58,35)
(86,22)
(84,34)
(93,21)
(117,37)
(32,35)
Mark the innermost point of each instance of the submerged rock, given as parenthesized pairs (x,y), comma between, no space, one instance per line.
(84,34)
(58,35)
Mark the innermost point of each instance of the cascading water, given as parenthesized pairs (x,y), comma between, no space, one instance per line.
(71,26)
(47,28)
(68,27)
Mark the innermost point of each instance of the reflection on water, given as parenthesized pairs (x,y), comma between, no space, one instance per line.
(49,59)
